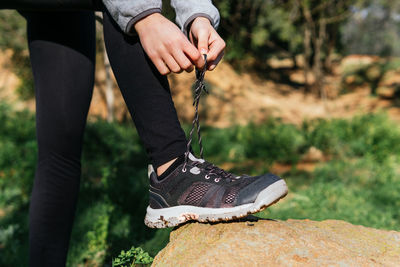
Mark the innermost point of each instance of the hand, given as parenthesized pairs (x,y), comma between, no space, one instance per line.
(166,45)
(203,35)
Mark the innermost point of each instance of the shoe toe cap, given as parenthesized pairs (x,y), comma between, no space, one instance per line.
(249,193)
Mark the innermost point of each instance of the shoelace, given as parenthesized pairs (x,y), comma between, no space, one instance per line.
(216,171)
(199,88)
(209,167)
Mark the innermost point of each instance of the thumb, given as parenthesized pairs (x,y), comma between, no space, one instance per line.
(202,41)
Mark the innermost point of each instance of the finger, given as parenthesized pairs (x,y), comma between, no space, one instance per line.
(171,63)
(191,38)
(194,55)
(182,60)
(161,67)
(214,63)
(215,49)
(202,41)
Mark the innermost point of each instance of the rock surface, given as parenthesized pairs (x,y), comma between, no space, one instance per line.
(280,243)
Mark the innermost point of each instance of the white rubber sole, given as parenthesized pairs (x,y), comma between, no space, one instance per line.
(173,216)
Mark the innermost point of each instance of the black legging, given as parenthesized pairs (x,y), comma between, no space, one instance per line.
(62,50)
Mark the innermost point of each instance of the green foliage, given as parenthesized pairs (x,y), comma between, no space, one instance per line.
(272,141)
(94,244)
(373,28)
(13,36)
(370,74)
(12,31)
(373,136)
(17,164)
(258,29)
(17,156)
(132,257)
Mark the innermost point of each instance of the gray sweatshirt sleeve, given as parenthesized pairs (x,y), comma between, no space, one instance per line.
(187,10)
(127,12)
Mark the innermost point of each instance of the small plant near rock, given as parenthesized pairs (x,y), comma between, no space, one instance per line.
(133,257)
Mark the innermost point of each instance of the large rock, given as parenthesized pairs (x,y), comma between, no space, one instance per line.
(280,243)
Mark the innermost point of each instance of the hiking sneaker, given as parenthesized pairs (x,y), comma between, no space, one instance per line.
(200,191)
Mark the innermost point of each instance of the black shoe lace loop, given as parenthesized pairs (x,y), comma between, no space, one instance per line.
(199,88)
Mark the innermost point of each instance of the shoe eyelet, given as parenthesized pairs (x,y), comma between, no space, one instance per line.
(183,169)
(207,177)
(216,180)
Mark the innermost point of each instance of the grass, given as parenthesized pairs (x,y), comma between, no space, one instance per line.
(360,183)
(361,192)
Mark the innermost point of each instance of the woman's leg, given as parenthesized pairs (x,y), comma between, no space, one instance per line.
(62,51)
(179,195)
(146,93)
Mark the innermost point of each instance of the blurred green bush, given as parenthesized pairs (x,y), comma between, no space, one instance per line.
(371,74)
(360,183)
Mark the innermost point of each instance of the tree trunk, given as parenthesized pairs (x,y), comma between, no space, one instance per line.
(109,93)
(307,55)
(318,42)
(332,35)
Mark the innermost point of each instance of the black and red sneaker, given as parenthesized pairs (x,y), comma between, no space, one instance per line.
(195,189)
(200,191)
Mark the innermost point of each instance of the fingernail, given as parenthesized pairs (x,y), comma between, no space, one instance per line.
(212,67)
(203,51)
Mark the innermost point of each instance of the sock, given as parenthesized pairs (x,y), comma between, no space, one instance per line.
(173,166)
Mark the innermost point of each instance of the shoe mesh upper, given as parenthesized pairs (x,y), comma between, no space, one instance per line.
(231,196)
(197,194)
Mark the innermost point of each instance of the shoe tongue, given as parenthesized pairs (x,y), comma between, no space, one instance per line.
(150,170)
(193,158)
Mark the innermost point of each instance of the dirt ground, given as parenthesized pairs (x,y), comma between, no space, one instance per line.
(239,98)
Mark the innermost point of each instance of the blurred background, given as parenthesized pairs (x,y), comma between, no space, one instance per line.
(308,89)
